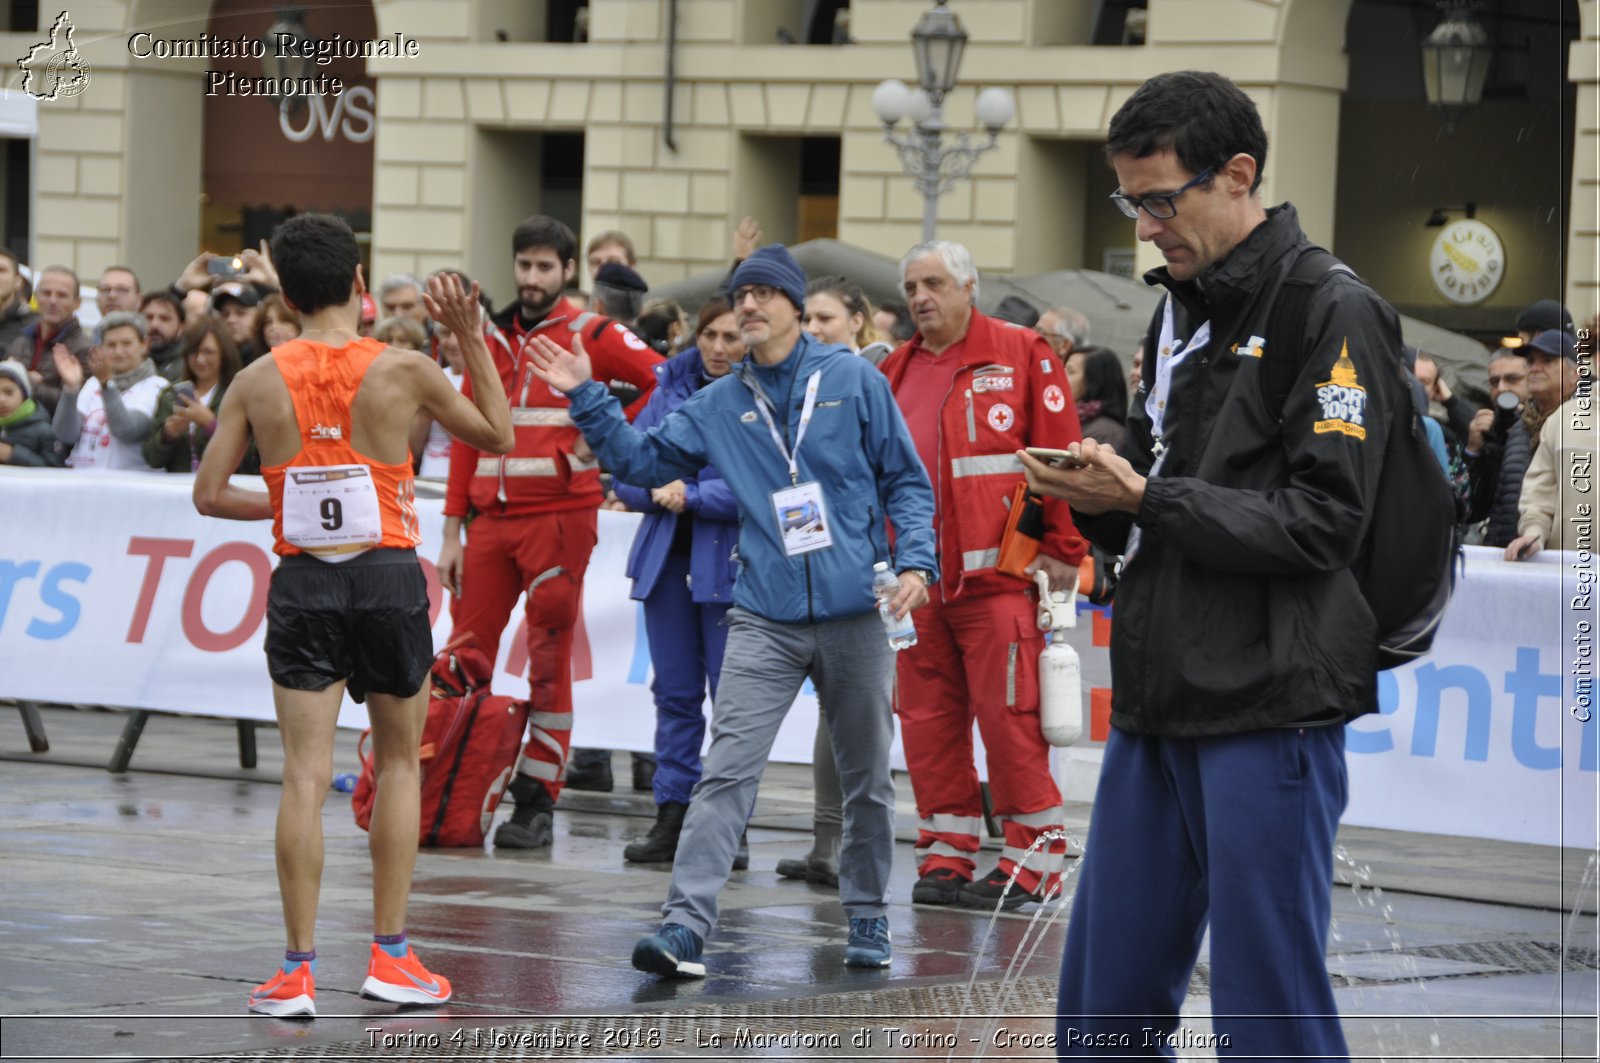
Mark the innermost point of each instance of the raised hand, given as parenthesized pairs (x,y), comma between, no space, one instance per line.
(68,368)
(195,276)
(561,369)
(258,268)
(746,238)
(1478,430)
(451,305)
(99,365)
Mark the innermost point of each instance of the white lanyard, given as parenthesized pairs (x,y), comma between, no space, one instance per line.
(1169,352)
(764,405)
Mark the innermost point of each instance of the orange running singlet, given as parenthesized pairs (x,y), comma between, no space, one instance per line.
(329,500)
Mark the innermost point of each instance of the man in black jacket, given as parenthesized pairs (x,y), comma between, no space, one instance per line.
(1499,447)
(1242,643)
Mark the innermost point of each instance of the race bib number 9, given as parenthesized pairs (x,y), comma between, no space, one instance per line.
(331,508)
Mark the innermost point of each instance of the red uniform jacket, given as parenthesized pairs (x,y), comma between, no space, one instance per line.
(1010,392)
(542,474)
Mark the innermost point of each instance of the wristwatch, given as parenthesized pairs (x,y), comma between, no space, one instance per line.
(927,577)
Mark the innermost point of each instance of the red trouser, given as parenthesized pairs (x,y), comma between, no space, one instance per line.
(978,657)
(546,555)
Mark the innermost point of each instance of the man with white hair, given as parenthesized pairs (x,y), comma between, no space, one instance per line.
(1064,329)
(974,390)
(400,295)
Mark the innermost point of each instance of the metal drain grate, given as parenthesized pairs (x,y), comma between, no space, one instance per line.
(1486,959)
(1522,957)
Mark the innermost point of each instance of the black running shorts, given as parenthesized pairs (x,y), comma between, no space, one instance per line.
(364,620)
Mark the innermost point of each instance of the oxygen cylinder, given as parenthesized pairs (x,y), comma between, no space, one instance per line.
(1060,684)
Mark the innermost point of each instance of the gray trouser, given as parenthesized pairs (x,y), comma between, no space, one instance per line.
(763,668)
(827,800)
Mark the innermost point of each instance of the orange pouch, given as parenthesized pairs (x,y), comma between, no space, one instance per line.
(1019,543)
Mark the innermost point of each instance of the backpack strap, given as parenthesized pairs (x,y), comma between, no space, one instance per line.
(1283,355)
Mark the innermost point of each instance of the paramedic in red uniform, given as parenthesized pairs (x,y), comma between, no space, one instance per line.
(974,390)
(330,413)
(531,514)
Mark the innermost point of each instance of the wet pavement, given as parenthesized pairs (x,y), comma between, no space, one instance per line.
(140,909)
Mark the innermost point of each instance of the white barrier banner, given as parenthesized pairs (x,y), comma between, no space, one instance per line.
(1493,734)
(114,591)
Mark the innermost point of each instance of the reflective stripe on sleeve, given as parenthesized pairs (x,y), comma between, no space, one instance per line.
(985,465)
(546,416)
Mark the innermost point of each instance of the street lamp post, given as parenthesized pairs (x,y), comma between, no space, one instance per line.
(933,165)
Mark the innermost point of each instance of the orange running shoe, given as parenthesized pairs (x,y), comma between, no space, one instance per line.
(403,981)
(286,994)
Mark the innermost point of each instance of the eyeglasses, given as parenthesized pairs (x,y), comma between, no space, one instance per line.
(1158,206)
(1509,379)
(762,292)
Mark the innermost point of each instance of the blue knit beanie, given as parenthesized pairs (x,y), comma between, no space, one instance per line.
(772,265)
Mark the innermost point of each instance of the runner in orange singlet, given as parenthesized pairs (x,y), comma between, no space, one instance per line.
(330,413)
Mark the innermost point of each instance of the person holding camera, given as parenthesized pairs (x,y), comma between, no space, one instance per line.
(1498,449)
(186,413)
(235,287)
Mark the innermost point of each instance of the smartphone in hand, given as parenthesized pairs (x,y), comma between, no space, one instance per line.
(1056,459)
(183,393)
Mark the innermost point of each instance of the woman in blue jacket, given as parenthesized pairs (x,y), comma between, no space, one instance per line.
(683,569)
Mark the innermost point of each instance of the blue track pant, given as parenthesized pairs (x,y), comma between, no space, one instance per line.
(1236,831)
(686,643)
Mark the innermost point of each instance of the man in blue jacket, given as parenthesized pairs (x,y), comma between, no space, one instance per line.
(799,426)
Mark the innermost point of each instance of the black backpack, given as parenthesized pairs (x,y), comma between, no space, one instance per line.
(1412,545)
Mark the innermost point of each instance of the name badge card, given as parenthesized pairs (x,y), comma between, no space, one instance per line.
(803,522)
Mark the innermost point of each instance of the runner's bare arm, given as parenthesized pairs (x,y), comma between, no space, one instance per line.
(483,421)
(214,496)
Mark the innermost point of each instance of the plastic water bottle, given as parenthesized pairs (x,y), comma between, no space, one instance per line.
(902,632)
(345,782)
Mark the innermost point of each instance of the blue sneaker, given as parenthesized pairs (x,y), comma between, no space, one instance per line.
(672,952)
(869,943)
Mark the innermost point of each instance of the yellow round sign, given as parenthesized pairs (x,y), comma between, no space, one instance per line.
(1467,261)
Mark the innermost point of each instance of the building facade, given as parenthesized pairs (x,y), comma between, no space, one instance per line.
(671,119)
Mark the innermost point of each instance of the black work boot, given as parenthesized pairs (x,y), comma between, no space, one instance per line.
(741,858)
(530,825)
(990,892)
(661,844)
(590,769)
(644,772)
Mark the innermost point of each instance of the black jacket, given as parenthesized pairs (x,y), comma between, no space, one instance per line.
(13,319)
(1239,611)
(1494,480)
(33,442)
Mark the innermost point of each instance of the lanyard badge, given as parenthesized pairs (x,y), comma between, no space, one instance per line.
(800,508)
